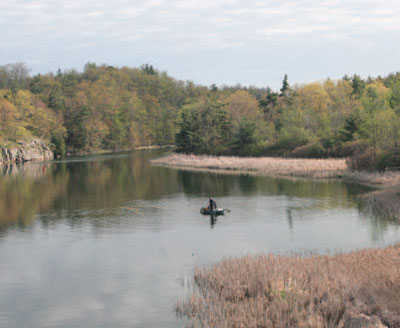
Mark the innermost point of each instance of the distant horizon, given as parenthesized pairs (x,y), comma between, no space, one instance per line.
(277,84)
(207,41)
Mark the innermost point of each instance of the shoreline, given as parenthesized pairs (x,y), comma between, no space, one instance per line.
(81,154)
(100,152)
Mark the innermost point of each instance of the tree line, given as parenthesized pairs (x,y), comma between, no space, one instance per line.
(111,108)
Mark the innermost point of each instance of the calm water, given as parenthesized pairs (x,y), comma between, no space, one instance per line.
(106,241)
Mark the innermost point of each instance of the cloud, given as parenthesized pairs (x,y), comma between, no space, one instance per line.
(170,28)
(226,17)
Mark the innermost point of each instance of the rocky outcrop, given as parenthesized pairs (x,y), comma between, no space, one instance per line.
(33,150)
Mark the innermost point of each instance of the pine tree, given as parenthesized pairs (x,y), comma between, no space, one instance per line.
(285,86)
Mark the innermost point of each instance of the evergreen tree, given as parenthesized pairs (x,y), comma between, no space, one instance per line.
(285,86)
(148,69)
(352,125)
(187,136)
(244,137)
(358,86)
(36,85)
(77,134)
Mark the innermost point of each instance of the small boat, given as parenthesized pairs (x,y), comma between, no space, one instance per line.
(215,211)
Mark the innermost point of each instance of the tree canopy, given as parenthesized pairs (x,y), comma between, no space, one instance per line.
(110,108)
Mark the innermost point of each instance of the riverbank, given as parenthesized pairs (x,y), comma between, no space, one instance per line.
(357,289)
(72,153)
(26,151)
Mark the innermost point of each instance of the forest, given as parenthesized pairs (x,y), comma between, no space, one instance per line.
(106,108)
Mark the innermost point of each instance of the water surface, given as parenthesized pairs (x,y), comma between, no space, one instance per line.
(106,241)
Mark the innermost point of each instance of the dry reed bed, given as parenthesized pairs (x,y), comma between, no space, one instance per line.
(384,202)
(313,168)
(384,179)
(358,289)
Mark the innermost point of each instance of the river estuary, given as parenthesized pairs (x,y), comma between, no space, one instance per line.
(112,241)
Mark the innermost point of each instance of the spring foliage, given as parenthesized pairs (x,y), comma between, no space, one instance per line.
(109,108)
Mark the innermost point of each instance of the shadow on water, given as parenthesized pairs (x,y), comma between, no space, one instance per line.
(108,181)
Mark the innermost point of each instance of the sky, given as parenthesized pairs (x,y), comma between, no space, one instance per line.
(249,42)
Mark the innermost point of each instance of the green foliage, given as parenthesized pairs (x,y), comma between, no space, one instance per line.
(395,98)
(358,86)
(186,138)
(244,138)
(77,132)
(148,69)
(389,161)
(111,108)
(58,142)
(36,84)
(352,124)
(312,150)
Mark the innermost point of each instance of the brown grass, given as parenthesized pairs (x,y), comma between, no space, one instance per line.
(358,289)
(384,179)
(312,168)
(385,203)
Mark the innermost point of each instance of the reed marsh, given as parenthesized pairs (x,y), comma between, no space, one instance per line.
(357,289)
(309,168)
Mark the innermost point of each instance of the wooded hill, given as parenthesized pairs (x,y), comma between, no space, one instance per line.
(110,108)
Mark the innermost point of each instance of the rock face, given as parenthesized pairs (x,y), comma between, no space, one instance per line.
(33,150)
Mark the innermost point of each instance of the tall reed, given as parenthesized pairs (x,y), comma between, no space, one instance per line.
(358,289)
(313,168)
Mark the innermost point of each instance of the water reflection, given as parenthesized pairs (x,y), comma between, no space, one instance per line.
(110,181)
(100,241)
(27,190)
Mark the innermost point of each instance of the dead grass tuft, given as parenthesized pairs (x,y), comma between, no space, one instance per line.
(385,179)
(385,203)
(358,289)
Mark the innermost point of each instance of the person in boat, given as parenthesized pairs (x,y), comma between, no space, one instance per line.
(212,203)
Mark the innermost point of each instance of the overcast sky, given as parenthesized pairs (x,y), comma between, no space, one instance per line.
(207,41)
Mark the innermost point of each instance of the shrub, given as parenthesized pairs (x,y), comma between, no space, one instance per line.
(311,150)
(389,161)
(350,148)
(363,160)
(58,143)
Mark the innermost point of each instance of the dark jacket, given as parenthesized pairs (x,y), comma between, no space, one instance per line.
(213,204)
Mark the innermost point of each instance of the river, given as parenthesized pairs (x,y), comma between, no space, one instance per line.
(112,241)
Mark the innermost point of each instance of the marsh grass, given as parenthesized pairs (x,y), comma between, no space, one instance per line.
(379,179)
(358,289)
(385,203)
(310,168)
